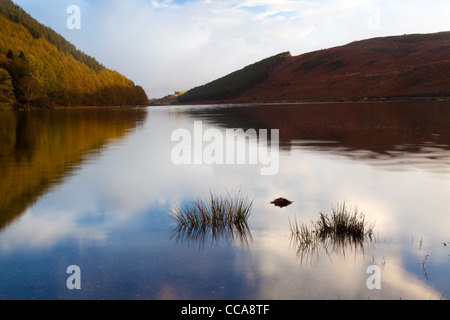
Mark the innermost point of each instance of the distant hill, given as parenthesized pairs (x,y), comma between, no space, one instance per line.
(167,100)
(236,83)
(413,66)
(39,68)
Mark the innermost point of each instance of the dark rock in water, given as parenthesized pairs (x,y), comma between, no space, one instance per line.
(281,202)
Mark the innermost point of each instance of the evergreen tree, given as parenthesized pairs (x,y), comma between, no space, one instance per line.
(10,54)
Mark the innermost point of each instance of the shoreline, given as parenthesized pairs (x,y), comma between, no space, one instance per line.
(98,107)
(78,107)
(365,100)
(237,102)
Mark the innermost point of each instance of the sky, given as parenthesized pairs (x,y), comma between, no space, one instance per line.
(175,45)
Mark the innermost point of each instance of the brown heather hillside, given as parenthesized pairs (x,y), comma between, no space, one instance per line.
(399,67)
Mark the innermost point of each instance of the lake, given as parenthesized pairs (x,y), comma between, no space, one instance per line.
(94,188)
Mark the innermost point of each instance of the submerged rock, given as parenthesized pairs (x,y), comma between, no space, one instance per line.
(281,202)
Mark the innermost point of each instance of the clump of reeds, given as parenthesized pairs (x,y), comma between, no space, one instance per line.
(344,223)
(218,211)
(342,227)
(303,233)
(217,217)
(304,236)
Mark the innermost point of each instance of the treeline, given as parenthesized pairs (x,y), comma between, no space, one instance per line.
(39,68)
(234,84)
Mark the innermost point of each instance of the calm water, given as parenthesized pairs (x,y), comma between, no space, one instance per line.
(94,188)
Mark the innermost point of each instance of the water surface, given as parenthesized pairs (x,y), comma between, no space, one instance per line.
(94,188)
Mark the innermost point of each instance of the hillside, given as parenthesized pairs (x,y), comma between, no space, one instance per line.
(39,68)
(236,83)
(400,67)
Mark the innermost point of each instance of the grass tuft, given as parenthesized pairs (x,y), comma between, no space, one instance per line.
(344,223)
(217,216)
(342,227)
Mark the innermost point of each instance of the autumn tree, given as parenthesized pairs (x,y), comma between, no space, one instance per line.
(30,89)
(6,90)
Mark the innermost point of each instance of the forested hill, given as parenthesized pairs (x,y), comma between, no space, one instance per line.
(236,83)
(39,68)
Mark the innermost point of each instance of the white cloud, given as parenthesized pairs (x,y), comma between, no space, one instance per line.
(162,4)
